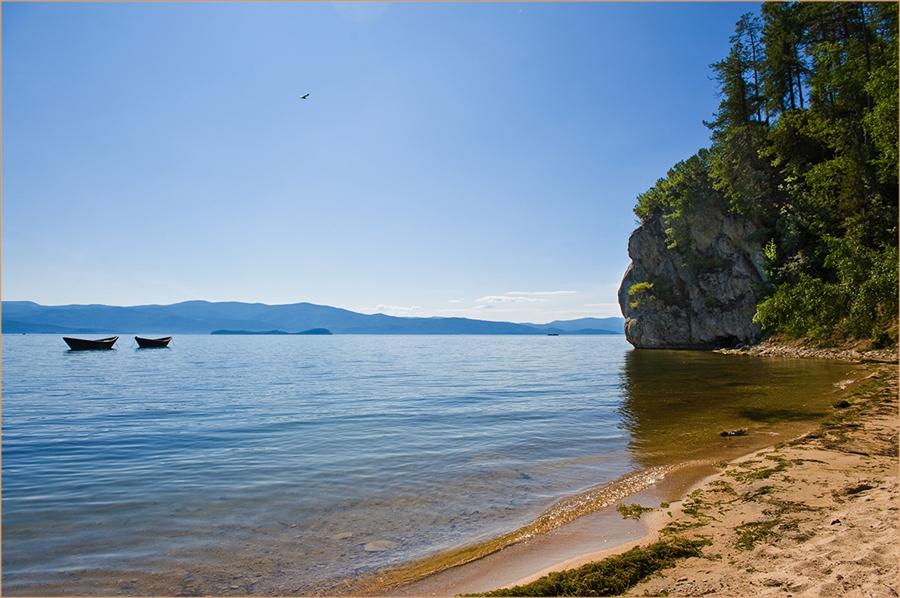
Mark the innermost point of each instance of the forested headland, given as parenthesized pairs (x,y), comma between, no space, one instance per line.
(804,146)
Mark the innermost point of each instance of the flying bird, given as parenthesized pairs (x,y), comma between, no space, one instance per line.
(304,97)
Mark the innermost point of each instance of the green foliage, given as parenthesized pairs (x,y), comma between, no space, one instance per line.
(882,87)
(861,303)
(740,171)
(640,292)
(612,576)
(808,308)
(770,251)
(805,144)
(687,187)
(645,292)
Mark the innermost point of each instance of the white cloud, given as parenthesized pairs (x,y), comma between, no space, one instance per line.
(521,293)
(492,299)
(532,306)
(397,310)
(521,297)
(455,300)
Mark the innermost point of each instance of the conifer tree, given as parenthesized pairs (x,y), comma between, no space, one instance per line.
(805,144)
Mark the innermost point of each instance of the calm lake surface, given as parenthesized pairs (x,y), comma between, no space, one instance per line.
(288,464)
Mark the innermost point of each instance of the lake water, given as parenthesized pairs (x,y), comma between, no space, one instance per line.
(289,464)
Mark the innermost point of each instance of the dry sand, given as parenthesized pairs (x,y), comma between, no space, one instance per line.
(815,516)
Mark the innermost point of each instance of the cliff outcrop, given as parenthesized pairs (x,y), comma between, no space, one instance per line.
(698,292)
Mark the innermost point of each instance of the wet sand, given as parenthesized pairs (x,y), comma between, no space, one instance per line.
(589,538)
(845,473)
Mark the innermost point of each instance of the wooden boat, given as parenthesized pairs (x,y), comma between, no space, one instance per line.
(153,343)
(81,344)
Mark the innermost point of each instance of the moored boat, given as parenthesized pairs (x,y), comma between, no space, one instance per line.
(153,343)
(82,344)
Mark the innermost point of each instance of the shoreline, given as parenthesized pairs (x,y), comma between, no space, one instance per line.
(594,536)
(606,533)
(564,533)
(803,350)
(817,515)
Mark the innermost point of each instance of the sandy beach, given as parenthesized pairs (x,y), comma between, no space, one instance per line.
(816,516)
(811,516)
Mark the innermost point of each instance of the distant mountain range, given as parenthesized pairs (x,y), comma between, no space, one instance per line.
(203,317)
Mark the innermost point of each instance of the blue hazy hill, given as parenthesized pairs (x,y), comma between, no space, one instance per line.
(204,317)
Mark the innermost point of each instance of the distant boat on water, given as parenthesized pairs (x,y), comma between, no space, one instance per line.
(153,343)
(81,344)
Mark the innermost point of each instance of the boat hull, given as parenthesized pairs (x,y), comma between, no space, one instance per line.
(153,343)
(82,344)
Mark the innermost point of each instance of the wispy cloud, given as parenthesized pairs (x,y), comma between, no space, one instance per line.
(494,299)
(532,293)
(521,297)
(397,310)
(530,306)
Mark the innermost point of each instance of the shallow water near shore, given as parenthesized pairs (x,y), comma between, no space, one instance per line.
(252,465)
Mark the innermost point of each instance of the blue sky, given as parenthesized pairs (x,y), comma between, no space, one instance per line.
(452,159)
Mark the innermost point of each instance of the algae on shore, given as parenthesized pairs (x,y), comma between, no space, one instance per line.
(612,576)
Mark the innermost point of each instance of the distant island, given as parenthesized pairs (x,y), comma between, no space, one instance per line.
(204,317)
(324,331)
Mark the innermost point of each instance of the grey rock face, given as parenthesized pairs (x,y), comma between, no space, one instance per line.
(703,298)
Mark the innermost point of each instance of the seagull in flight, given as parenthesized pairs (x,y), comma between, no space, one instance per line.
(303,97)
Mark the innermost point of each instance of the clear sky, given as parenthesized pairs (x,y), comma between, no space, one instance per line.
(452,159)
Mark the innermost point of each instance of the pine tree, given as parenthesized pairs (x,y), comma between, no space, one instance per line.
(805,142)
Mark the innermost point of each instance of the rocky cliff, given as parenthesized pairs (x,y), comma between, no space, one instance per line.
(698,293)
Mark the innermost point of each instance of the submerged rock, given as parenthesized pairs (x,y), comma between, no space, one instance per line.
(379,546)
(700,295)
